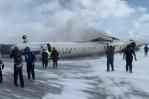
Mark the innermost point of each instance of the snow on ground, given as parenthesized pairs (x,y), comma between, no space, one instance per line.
(85,79)
(121,84)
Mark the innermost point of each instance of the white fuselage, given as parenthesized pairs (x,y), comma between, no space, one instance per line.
(76,49)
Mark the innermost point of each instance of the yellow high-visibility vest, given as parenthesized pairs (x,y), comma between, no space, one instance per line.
(49,53)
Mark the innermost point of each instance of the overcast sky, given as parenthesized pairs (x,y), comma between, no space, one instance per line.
(69,20)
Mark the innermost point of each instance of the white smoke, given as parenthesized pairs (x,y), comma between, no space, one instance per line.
(59,20)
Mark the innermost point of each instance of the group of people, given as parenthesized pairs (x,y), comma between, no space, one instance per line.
(52,53)
(48,54)
(127,55)
(30,59)
(16,54)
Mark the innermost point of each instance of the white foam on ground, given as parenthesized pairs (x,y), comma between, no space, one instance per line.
(117,84)
(138,79)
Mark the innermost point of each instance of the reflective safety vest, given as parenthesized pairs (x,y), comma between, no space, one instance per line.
(49,53)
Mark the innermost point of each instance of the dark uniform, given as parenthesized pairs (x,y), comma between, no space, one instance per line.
(1,67)
(146,50)
(17,55)
(128,55)
(30,62)
(44,58)
(110,58)
(49,47)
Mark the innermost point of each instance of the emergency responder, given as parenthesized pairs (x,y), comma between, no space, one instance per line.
(45,58)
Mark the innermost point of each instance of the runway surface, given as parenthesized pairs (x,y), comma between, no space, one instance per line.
(85,79)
